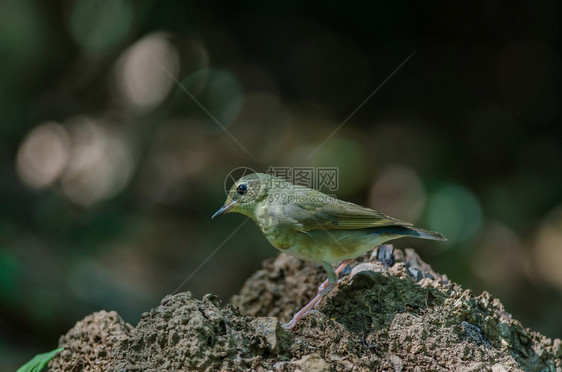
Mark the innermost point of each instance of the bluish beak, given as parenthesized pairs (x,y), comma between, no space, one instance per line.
(225,208)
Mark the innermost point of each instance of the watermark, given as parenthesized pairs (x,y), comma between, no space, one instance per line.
(284,197)
(234,175)
(319,178)
(286,185)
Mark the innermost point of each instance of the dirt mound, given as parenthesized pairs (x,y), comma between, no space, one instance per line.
(91,343)
(390,312)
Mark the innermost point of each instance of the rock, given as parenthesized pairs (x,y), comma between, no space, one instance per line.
(380,319)
(474,367)
(311,363)
(397,363)
(268,328)
(474,334)
(91,344)
(185,333)
(557,348)
(367,268)
(498,368)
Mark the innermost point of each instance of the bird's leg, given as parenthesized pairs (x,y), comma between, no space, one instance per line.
(328,282)
(324,289)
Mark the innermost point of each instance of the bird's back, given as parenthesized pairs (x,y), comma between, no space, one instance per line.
(315,227)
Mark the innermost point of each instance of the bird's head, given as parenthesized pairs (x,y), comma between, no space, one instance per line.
(245,194)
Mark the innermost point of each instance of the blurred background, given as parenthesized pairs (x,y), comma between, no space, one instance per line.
(110,171)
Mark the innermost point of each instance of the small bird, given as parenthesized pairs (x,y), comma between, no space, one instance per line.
(313,226)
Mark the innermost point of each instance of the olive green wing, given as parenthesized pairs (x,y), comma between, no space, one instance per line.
(337,215)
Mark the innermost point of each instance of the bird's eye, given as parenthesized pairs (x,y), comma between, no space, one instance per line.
(241,189)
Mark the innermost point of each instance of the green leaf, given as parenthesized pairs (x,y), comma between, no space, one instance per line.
(39,361)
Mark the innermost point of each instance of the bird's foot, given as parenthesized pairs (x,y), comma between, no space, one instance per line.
(323,290)
(303,312)
(312,305)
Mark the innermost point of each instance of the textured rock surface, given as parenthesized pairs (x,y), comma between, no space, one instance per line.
(391,312)
(90,344)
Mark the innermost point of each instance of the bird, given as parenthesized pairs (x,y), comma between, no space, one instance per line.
(313,226)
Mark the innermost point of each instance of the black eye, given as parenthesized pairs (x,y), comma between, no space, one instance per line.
(241,189)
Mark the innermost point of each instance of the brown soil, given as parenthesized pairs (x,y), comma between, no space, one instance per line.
(391,312)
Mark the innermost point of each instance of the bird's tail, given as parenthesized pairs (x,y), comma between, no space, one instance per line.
(426,234)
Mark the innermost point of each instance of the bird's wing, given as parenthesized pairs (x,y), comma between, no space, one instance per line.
(337,215)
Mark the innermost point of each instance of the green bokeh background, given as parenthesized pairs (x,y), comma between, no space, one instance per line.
(109,171)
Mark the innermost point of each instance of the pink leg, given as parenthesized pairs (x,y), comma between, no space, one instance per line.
(324,289)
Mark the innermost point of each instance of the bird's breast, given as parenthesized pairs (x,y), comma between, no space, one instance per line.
(271,220)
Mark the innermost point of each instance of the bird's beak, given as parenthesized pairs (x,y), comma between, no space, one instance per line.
(225,208)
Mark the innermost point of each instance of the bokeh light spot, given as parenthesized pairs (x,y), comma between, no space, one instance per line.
(399,192)
(499,256)
(43,155)
(101,163)
(141,81)
(455,212)
(548,248)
